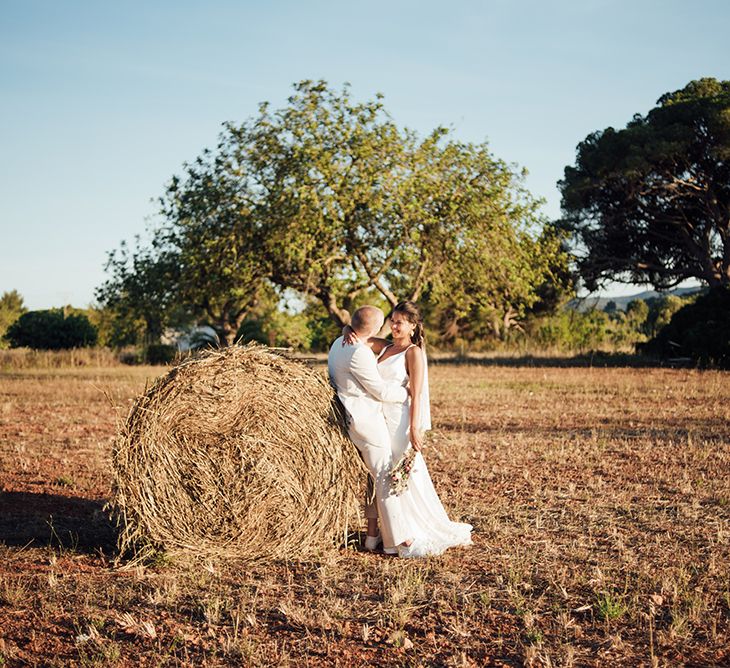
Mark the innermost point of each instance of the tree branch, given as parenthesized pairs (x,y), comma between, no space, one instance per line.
(375,276)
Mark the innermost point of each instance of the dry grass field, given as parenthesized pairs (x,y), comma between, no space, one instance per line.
(600,499)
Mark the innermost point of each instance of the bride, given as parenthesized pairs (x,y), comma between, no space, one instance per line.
(404,360)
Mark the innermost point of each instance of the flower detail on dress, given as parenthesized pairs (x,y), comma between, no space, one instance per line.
(401,472)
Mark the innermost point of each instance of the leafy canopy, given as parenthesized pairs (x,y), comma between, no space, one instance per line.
(352,204)
(651,203)
(329,199)
(140,293)
(11,308)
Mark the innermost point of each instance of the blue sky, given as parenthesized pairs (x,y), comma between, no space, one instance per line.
(103,102)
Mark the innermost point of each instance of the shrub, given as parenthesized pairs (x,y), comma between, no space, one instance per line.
(571,330)
(661,310)
(700,331)
(322,332)
(160,353)
(11,308)
(52,329)
(284,329)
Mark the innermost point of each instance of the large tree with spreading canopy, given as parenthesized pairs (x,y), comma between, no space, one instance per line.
(650,203)
(329,198)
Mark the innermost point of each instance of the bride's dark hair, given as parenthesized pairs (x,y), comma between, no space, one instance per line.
(413,315)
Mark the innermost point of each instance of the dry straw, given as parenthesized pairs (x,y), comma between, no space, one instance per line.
(238,453)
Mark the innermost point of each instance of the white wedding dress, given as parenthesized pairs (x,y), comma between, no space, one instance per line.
(422,511)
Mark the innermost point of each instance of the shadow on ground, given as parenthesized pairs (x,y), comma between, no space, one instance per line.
(617,360)
(679,431)
(52,519)
(587,360)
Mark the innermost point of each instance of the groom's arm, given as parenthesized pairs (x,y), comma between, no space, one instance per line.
(365,369)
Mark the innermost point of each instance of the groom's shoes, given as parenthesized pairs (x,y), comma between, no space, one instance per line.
(372,542)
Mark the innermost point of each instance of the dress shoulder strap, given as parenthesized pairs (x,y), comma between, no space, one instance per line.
(382,352)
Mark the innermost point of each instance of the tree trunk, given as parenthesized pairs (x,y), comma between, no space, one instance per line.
(451,331)
(153,331)
(227,334)
(340,316)
(384,330)
(225,329)
(509,321)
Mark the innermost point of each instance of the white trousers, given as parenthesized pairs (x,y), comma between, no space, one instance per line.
(387,507)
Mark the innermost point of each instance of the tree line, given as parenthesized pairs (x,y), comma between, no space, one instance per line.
(330,201)
(574,329)
(300,214)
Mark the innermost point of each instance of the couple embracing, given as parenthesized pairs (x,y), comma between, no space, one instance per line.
(383,386)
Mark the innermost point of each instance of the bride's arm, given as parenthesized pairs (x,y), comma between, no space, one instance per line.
(414,366)
(375,343)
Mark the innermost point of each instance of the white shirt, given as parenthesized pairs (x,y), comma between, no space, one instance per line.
(354,372)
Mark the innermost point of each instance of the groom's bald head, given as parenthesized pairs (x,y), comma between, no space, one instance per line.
(367,320)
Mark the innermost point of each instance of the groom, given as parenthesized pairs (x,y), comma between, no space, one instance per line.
(354,372)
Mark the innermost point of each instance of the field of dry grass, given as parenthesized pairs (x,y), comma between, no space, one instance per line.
(600,500)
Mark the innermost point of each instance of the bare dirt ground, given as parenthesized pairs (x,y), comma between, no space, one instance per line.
(600,500)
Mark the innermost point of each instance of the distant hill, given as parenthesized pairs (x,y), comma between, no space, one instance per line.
(590,302)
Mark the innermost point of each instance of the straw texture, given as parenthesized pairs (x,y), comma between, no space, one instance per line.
(239,453)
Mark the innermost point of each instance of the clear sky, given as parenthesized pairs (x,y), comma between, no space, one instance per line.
(102,102)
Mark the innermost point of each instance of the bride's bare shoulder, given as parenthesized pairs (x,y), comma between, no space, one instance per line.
(414,357)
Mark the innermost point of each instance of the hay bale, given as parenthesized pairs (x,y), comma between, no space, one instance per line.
(236,453)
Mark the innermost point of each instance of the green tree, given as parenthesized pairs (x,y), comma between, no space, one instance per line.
(140,294)
(53,329)
(352,203)
(661,310)
(498,280)
(637,312)
(700,330)
(326,171)
(11,308)
(115,331)
(571,330)
(215,232)
(651,203)
(275,322)
(329,198)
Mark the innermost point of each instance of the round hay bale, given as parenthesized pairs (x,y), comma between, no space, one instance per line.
(237,453)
